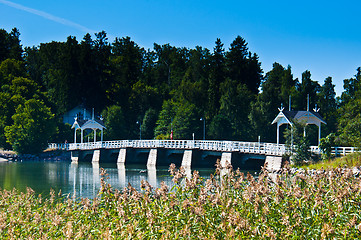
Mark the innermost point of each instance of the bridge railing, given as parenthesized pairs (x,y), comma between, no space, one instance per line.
(343,150)
(337,151)
(58,146)
(224,146)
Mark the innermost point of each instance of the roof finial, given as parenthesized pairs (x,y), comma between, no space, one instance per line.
(316,109)
(308,102)
(93,114)
(84,114)
(282,108)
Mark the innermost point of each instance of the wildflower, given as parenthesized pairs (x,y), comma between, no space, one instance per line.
(69,229)
(106,234)
(186,203)
(57,220)
(269,233)
(352,222)
(37,218)
(178,174)
(218,166)
(285,220)
(172,169)
(326,230)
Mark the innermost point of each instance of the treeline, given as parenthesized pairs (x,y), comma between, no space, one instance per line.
(165,88)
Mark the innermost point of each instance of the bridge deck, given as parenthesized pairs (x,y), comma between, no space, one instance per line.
(271,149)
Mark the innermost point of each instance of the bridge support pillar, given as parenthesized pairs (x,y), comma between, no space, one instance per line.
(226,158)
(187,159)
(122,155)
(74,156)
(96,156)
(152,158)
(273,163)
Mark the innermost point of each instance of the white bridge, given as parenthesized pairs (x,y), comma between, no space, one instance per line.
(269,149)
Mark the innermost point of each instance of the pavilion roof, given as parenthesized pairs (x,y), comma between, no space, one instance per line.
(289,116)
(88,124)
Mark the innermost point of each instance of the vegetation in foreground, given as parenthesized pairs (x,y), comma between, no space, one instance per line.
(301,206)
(348,161)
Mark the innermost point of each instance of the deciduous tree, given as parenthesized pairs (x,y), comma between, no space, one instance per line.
(33,125)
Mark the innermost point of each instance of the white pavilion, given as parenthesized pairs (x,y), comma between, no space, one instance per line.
(93,123)
(309,117)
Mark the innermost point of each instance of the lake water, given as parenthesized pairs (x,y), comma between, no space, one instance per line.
(82,179)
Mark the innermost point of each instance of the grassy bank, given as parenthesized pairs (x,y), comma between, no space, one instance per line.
(303,206)
(348,161)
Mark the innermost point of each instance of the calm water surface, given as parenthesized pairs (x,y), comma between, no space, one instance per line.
(82,179)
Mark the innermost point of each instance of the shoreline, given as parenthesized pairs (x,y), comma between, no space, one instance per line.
(57,155)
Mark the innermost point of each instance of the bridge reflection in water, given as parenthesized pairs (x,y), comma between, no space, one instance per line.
(84,178)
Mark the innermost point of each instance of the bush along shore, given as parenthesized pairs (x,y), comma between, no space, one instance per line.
(44,156)
(289,206)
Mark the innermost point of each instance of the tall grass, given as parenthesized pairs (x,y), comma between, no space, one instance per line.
(348,161)
(300,206)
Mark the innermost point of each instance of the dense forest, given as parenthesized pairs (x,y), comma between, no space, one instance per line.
(165,88)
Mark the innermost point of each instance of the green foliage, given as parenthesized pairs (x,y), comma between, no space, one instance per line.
(326,146)
(277,86)
(352,88)
(181,117)
(11,68)
(236,105)
(220,128)
(243,67)
(33,125)
(328,106)
(164,122)
(350,123)
(143,97)
(222,86)
(149,123)
(307,87)
(298,143)
(63,133)
(186,121)
(301,151)
(217,76)
(10,45)
(16,89)
(115,123)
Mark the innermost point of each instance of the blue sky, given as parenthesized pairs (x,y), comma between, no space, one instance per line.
(321,36)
